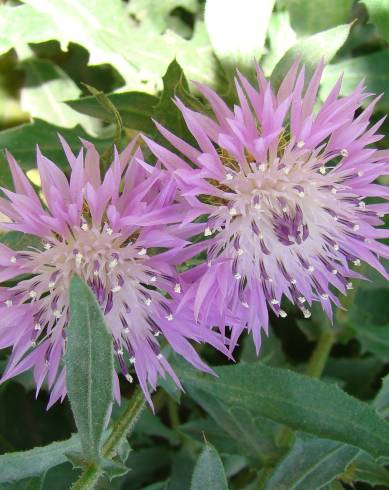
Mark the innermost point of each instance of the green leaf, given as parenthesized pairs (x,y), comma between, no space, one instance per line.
(135,109)
(369,68)
(20,241)
(308,17)
(209,471)
(46,87)
(109,34)
(311,50)
(311,463)
(301,403)
(381,401)
(367,470)
(254,434)
(237,29)
(89,367)
(23,24)
(22,141)
(379,14)
(24,464)
(34,483)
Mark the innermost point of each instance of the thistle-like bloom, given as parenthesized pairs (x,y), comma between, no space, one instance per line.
(286,191)
(105,232)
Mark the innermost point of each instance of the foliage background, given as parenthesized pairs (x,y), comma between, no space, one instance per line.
(272,426)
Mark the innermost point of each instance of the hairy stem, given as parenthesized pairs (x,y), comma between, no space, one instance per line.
(121,429)
(320,355)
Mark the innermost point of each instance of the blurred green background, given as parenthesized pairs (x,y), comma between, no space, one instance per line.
(57,57)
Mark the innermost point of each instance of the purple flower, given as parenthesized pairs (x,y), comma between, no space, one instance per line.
(283,187)
(103,231)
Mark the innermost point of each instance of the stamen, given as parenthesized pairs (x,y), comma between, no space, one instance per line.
(116,289)
(300,144)
(169,317)
(177,288)
(283,314)
(142,251)
(13,259)
(8,303)
(207,231)
(344,152)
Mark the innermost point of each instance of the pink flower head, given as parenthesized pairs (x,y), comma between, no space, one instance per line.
(103,231)
(283,188)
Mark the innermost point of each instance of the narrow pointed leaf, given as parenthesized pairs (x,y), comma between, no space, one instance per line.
(209,471)
(89,367)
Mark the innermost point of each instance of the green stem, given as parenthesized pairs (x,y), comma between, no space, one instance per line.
(121,429)
(320,355)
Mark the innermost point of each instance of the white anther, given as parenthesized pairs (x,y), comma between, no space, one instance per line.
(324,296)
(116,289)
(126,330)
(38,327)
(142,251)
(13,259)
(153,279)
(360,173)
(333,190)
(301,299)
(306,313)
(33,294)
(380,215)
(349,285)
(293,281)
(51,284)
(300,144)
(257,206)
(177,288)
(355,227)
(95,273)
(8,303)
(47,246)
(311,268)
(129,378)
(207,231)
(362,204)
(239,252)
(148,301)
(119,352)
(367,240)
(169,317)
(113,264)
(283,314)
(85,227)
(209,263)
(286,170)
(159,356)
(274,301)
(285,210)
(57,314)
(344,152)
(109,231)
(336,247)
(132,360)
(357,262)
(301,194)
(336,218)
(33,343)
(262,167)
(233,211)
(157,334)
(246,305)
(229,176)
(237,276)
(322,170)
(79,258)
(334,272)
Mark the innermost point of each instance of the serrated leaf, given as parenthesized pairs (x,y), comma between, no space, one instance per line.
(237,29)
(35,483)
(209,471)
(379,14)
(24,464)
(301,403)
(46,87)
(368,68)
(106,30)
(321,46)
(366,469)
(22,141)
(308,17)
(89,367)
(311,463)
(135,109)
